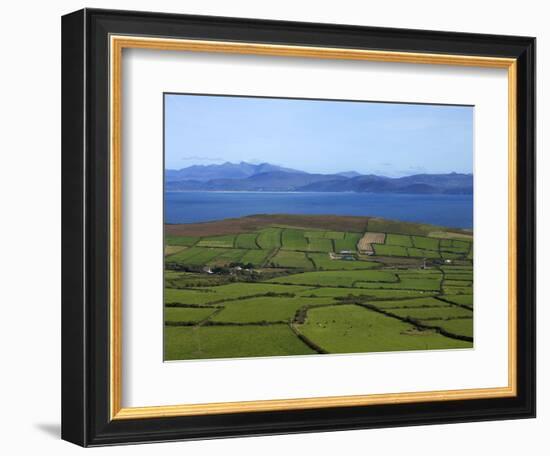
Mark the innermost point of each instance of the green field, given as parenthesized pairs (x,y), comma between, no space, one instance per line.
(373,294)
(323,261)
(227,257)
(294,240)
(390,250)
(422,253)
(465,300)
(349,242)
(432,313)
(247,241)
(320,245)
(425,243)
(181,240)
(187,314)
(461,327)
(286,259)
(297,287)
(196,256)
(173,249)
(398,239)
(205,342)
(416,303)
(217,241)
(351,328)
(255,257)
(338,278)
(266,309)
(406,283)
(269,238)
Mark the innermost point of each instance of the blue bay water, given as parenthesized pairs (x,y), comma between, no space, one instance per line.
(445,210)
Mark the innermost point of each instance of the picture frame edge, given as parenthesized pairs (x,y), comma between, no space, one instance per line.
(86,408)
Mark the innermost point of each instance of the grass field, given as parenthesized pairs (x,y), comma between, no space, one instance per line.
(417,303)
(181,240)
(320,245)
(256,257)
(338,278)
(266,309)
(227,257)
(286,259)
(196,256)
(425,243)
(323,261)
(407,284)
(390,250)
(349,242)
(294,240)
(432,313)
(343,292)
(269,238)
(351,328)
(423,253)
(187,314)
(399,239)
(217,241)
(172,249)
(296,285)
(461,327)
(247,241)
(206,342)
(465,300)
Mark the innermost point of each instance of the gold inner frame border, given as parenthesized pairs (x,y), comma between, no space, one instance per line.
(117,44)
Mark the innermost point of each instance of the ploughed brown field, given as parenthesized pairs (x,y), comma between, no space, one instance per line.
(365,243)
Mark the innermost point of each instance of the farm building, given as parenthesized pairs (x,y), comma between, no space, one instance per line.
(348,258)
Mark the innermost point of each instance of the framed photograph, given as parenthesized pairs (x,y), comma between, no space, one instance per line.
(278,227)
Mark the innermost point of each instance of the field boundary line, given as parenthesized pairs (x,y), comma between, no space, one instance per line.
(417,323)
(463,306)
(307,341)
(256,241)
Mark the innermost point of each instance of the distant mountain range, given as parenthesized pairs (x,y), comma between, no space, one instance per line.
(226,170)
(267,177)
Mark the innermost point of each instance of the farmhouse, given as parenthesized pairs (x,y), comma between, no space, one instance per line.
(346,255)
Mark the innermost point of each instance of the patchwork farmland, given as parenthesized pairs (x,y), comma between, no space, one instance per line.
(296,285)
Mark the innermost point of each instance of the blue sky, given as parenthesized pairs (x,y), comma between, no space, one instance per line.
(388,139)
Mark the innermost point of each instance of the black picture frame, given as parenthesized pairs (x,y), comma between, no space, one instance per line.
(85,224)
